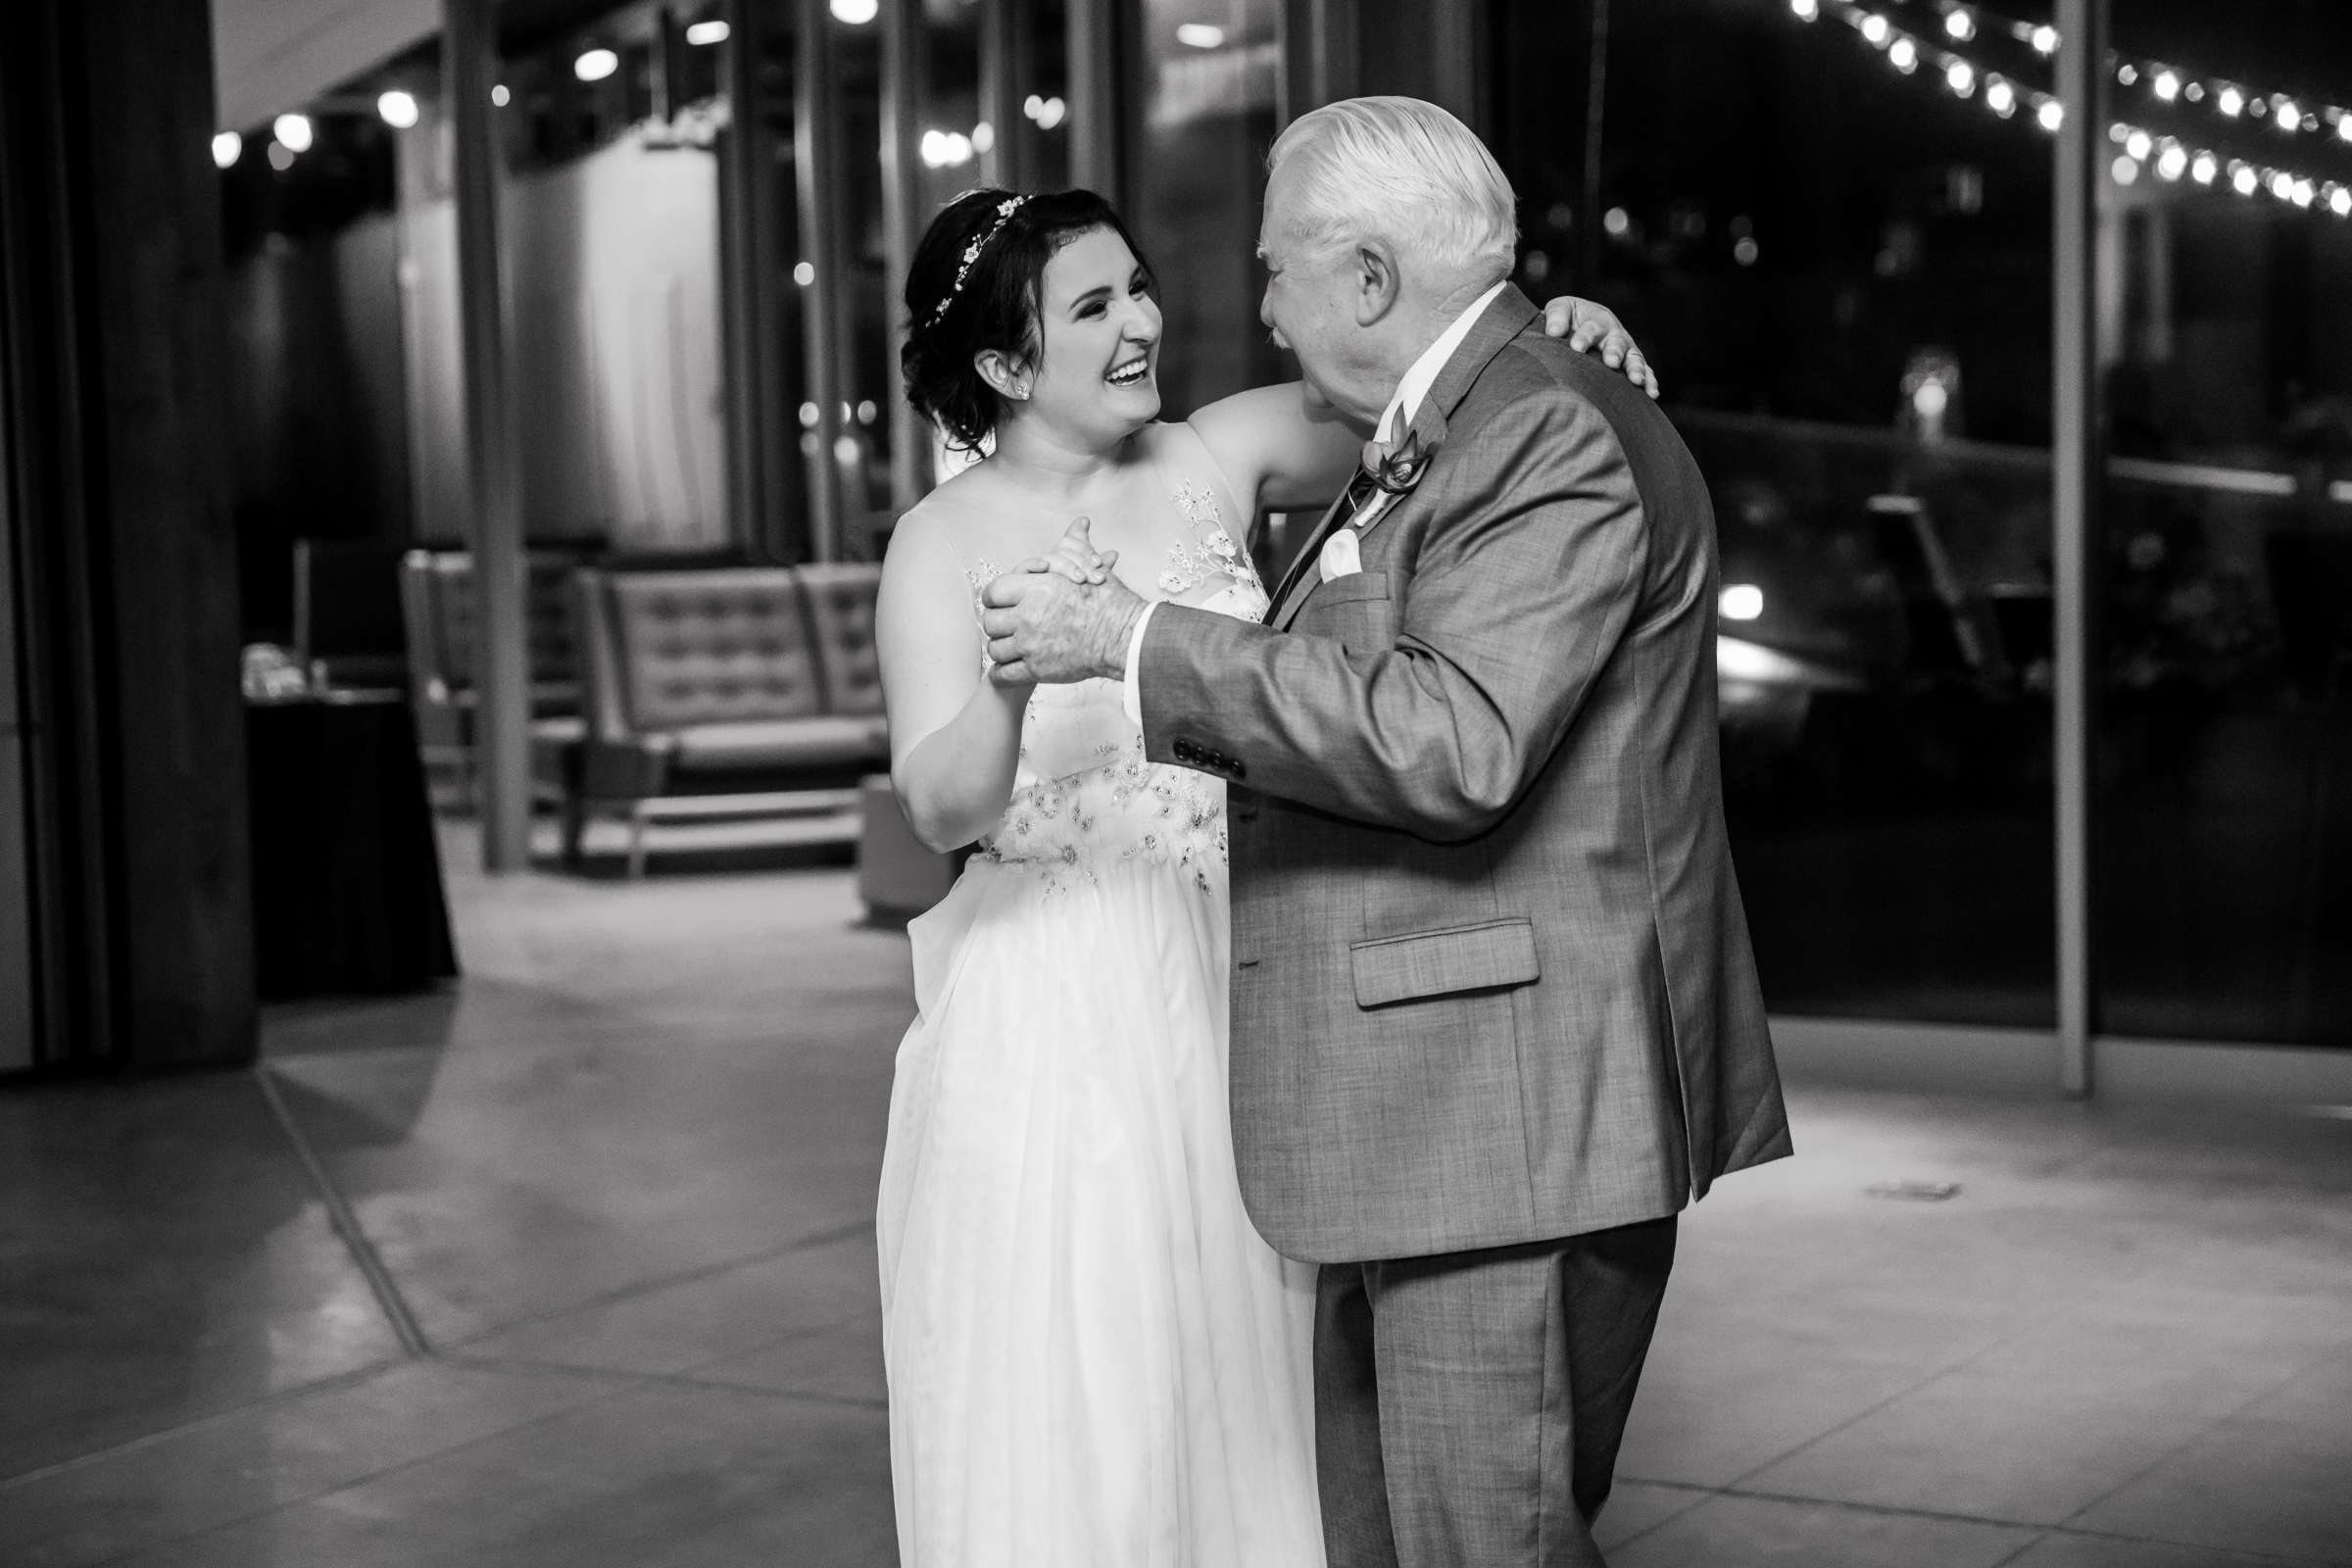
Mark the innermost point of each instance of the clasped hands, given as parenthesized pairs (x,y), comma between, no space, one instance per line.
(1060,616)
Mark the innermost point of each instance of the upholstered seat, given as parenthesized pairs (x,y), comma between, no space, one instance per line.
(738,689)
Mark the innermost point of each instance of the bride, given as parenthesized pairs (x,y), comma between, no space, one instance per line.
(1094,1362)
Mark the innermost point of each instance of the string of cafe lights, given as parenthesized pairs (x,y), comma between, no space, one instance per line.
(2138,147)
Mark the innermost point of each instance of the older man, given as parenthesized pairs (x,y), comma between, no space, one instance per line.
(1495,1020)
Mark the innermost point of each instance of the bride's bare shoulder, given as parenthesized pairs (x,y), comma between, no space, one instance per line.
(964,524)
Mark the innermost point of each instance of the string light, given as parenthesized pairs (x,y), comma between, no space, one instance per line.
(2137,147)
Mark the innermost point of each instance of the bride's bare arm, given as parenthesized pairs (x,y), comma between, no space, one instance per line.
(1283,450)
(955,738)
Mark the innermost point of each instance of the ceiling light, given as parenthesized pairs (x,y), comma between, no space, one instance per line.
(596,65)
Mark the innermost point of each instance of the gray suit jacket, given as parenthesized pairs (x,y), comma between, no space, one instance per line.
(1492,979)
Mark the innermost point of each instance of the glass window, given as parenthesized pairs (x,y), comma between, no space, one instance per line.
(1841,269)
(2223,881)
(1200,84)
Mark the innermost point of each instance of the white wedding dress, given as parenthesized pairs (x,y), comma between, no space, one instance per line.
(1094,1360)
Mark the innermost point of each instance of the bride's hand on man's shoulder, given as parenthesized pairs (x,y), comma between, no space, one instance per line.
(1587,325)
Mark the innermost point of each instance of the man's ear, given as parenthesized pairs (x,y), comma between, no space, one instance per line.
(1376,284)
(1010,376)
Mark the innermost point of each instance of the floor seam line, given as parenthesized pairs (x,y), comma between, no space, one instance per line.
(346,1223)
(670,1380)
(2200,1435)
(2043,1530)
(374,1476)
(147,1439)
(692,1276)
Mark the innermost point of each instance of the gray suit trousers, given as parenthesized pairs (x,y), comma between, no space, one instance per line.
(1469,1406)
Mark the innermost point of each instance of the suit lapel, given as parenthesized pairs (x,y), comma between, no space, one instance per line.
(1505,317)
(1308,552)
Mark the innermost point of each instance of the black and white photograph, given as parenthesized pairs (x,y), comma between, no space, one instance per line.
(1175,784)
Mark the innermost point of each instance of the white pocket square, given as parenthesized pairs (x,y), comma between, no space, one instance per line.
(1341,555)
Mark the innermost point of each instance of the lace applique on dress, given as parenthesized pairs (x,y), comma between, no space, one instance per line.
(1193,565)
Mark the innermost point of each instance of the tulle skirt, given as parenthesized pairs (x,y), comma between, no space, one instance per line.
(1094,1359)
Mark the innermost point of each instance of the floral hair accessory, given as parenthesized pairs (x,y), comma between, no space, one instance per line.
(972,253)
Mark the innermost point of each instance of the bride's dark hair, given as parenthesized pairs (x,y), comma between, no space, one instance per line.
(996,306)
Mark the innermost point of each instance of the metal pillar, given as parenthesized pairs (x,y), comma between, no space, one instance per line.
(502,719)
(1094,131)
(2077,473)
(902,76)
(762,427)
(817,162)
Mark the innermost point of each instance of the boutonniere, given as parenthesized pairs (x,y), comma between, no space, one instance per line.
(1396,466)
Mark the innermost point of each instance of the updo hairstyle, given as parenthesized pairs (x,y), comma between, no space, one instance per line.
(999,304)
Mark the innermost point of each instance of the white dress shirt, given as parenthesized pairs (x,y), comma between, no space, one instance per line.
(1397,417)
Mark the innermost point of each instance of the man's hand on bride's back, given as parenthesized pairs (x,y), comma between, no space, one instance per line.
(1587,325)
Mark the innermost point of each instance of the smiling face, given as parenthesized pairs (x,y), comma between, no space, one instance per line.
(1097,369)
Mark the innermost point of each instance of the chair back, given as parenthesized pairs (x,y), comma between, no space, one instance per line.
(674,649)
(840,615)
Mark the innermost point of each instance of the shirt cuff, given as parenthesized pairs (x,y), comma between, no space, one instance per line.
(1131,697)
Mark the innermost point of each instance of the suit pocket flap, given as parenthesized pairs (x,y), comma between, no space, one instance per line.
(1435,963)
(1356,585)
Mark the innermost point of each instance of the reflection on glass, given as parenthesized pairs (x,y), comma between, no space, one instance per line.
(1201,119)
(1842,273)
(2222,886)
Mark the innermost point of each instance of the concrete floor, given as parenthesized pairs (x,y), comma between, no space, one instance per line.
(574,1265)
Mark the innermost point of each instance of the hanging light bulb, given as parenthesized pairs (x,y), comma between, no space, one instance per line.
(2001,97)
(2290,118)
(1961,77)
(1904,55)
(2126,74)
(2339,202)
(2232,102)
(2303,193)
(2194,92)
(2243,180)
(1876,30)
(2343,125)
(2045,40)
(2172,164)
(228,148)
(2126,170)
(596,65)
(293,132)
(397,109)
(2166,85)
(2204,169)
(2138,144)
(1806,10)
(1959,26)
(2051,115)
(2283,184)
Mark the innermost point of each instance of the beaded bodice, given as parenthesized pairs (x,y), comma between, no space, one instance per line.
(1085,797)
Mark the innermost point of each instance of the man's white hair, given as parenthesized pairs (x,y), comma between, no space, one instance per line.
(1406,171)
